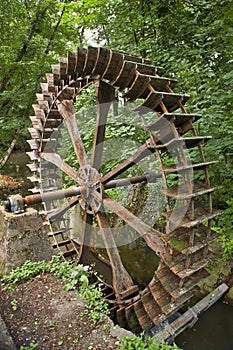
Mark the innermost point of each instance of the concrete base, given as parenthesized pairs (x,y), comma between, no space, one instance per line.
(22,237)
(6,342)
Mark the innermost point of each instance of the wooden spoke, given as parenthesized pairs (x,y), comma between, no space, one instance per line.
(105,96)
(121,279)
(61,211)
(67,110)
(141,153)
(55,159)
(153,238)
(86,236)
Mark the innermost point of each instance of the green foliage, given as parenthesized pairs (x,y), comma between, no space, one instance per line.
(76,277)
(95,305)
(26,272)
(227,246)
(141,342)
(73,273)
(30,347)
(14,304)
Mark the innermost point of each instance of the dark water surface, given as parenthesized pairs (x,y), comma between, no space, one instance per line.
(213,331)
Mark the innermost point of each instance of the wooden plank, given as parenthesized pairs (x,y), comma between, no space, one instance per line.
(151,306)
(62,243)
(182,272)
(176,168)
(182,118)
(201,214)
(67,110)
(121,279)
(140,154)
(126,76)
(177,304)
(150,103)
(114,67)
(102,62)
(138,87)
(105,97)
(160,83)
(71,59)
(146,69)
(81,60)
(56,74)
(181,191)
(34,167)
(36,122)
(129,292)
(143,318)
(39,112)
(92,57)
(191,142)
(170,100)
(152,237)
(63,61)
(170,331)
(50,82)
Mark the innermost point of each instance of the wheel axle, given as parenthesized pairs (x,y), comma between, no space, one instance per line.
(16,203)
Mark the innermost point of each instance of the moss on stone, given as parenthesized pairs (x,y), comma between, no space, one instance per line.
(229,296)
(178,244)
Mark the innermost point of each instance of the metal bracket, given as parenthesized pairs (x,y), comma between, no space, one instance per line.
(15,204)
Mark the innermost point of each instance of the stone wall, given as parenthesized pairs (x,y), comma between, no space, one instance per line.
(22,237)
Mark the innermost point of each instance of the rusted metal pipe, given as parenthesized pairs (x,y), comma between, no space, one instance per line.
(76,191)
(50,196)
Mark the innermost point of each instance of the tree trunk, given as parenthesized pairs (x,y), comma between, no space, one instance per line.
(5,158)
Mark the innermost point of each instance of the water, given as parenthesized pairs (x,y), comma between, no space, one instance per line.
(213,331)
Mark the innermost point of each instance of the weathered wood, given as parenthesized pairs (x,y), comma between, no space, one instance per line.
(138,87)
(181,191)
(191,142)
(66,108)
(92,58)
(105,97)
(71,59)
(141,153)
(121,279)
(193,166)
(201,214)
(147,69)
(55,159)
(114,67)
(145,321)
(126,75)
(81,60)
(102,62)
(153,238)
(170,331)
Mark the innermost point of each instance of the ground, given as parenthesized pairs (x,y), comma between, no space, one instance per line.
(41,312)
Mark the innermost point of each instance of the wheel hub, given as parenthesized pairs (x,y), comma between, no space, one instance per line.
(91,189)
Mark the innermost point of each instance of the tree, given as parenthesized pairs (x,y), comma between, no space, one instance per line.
(34,34)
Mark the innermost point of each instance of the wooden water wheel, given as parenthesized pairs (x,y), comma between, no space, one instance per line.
(181,241)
